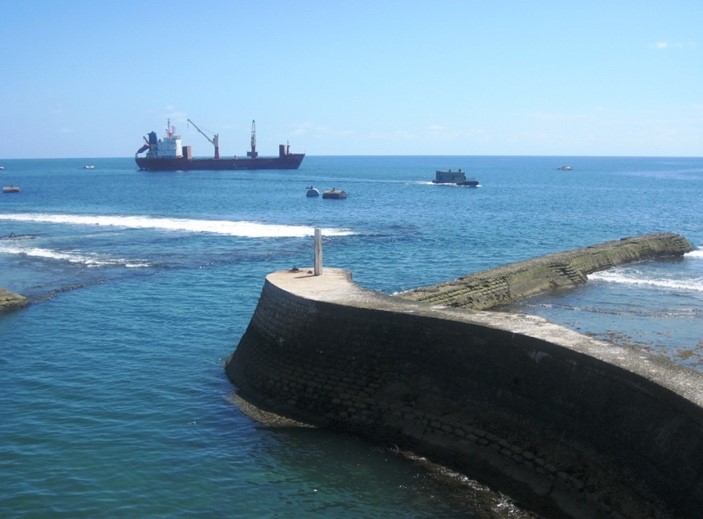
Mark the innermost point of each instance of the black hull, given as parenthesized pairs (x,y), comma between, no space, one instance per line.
(291,161)
(468,183)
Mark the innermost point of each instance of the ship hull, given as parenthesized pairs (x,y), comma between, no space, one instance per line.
(290,161)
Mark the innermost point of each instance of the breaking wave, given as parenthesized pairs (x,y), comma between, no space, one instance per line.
(691,284)
(87,259)
(245,229)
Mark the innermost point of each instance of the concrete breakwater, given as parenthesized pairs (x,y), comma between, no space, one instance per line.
(504,285)
(564,424)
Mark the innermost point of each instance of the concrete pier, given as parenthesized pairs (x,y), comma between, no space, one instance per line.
(564,424)
(510,283)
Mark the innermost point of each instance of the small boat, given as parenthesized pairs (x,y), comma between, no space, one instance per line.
(565,168)
(11,189)
(88,166)
(2,167)
(312,192)
(334,193)
(454,177)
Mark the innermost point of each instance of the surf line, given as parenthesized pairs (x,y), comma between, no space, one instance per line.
(245,229)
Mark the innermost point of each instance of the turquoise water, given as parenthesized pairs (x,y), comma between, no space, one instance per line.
(114,399)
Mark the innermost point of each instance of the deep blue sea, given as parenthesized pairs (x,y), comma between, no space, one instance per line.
(114,398)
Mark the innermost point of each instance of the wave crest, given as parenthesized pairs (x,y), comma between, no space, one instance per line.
(692,284)
(243,229)
(87,259)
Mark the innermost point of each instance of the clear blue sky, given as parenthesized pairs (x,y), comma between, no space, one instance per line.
(86,78)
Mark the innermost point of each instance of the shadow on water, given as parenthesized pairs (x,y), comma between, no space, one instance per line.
(368,479)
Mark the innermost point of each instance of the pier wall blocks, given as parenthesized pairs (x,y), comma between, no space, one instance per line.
(506,284)
(565,424)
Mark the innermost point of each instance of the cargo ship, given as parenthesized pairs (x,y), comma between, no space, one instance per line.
(168,154)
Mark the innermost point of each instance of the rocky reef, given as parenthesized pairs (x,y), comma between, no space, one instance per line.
(10,301)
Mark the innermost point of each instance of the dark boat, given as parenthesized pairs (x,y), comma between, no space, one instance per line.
(168,154)
(335,194)
(454,177)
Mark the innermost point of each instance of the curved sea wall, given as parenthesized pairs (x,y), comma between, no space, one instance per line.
(564,424)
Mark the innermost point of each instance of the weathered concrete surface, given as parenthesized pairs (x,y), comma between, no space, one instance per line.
(510,283)
(11,301)
(562,423)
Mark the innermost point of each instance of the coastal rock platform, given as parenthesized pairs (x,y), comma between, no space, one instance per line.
(10,301)
(564,424)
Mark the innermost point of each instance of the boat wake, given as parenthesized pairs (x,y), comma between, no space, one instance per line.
(244,229)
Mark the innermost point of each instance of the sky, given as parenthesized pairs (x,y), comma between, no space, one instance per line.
(80,78)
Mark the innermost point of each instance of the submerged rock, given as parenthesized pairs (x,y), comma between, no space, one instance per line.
(11,301)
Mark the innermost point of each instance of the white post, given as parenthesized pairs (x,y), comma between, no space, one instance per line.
(318,252)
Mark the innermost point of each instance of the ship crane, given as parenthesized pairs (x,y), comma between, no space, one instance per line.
(215,141)
(253,153)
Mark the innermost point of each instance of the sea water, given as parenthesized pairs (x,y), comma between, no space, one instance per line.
(114,398)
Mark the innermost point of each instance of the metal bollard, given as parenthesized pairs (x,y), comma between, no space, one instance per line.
(318,253)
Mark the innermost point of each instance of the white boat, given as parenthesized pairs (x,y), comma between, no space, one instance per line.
(88,166)
(312,192)
(565,168)
(11,189)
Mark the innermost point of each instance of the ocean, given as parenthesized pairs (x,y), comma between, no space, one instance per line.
(114,398)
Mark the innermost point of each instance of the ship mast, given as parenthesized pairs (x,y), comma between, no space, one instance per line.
(215,141)
(253,154)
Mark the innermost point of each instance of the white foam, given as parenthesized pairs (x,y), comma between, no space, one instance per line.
(693,284)
(244,229)
(87,259)
(696,254)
